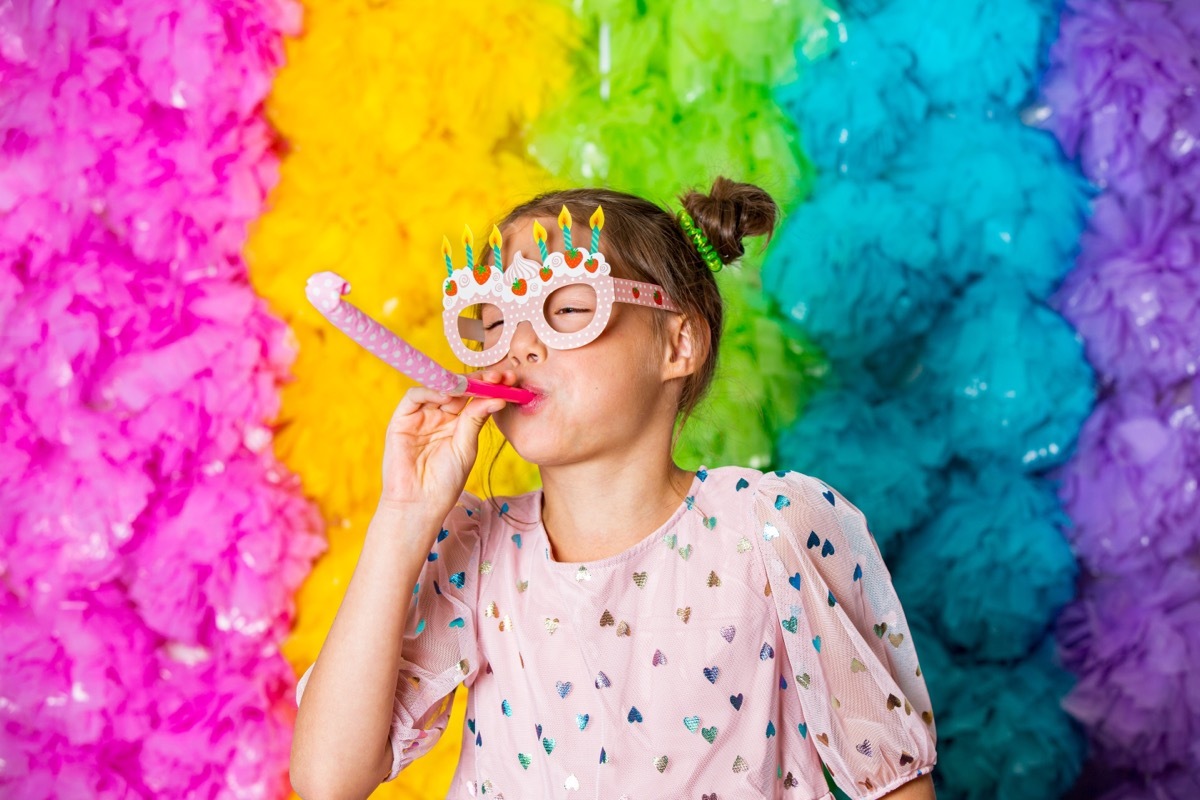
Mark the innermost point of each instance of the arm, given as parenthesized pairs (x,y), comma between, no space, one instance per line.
(340,746)
(919,789)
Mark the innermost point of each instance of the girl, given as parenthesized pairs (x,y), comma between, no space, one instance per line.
(632,629)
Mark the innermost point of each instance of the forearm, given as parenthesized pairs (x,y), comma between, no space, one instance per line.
(345,713)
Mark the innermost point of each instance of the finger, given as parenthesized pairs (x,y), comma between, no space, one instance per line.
(417,397)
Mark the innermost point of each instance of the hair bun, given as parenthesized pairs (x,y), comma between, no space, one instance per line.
(730,212)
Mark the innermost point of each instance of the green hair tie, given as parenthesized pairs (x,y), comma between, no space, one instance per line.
(703,246)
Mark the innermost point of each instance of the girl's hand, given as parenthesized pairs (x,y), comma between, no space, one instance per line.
(432,442)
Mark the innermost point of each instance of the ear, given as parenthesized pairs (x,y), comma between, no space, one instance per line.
(687,340)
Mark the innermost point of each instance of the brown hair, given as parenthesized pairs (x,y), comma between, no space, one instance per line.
(646,243)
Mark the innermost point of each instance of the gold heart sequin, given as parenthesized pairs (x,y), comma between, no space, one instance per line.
(506,623)
(485,567)
(803,680)
(551,624)
(522,585)
(464,666)
(685,552)
(833,701)
(744,545)
(684,614)
(640,579)
(893,702)
(907,706)
(582,574)
(622,628)
(927,717)
(669,540)
(767,589)
(660,763)
(823,738)
(713,580)
(606,619)
(492,611)
(918,670)
(895,639)
(857,666)
(740,765)
(881,629)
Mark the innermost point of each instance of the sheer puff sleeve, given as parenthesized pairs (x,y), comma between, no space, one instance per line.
(440,647)
(862,696)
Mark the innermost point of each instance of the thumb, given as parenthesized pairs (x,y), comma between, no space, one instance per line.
(471,422)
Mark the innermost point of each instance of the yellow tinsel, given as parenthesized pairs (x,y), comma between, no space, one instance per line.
(400,122)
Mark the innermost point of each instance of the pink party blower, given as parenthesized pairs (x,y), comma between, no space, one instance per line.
(325,289)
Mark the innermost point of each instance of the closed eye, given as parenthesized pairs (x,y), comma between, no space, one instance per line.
(572,309)
(495,324)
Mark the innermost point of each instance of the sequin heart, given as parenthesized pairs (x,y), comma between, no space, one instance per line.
(622,628)
(832,600)
(669,540)
(442,534)
(712,673)
(712,796)
(742,483)
(506,623)
(803,728)
(713,580)
(634,715)
(525,760)
(813,540)
(548,745)
(538,728)
(522,586)
(582,720)
(606,619)
(640,579)
(660,763)
(684,614)
(927,717)
(740,765)
(905,758)
(817,643)
(770,729)
(692,723)
(659,659)
(781,502)
(895,639)
(457,622)
(562,688)
(791,624)
(492,611)
(458,579)
(420,626)
(744,546)
(710,522)
(827,549)
(582,574)
(770,532)
(857,572)
(602,681)
(736,701)
(685,552)
(709,734)
(892,702)
(828,496)
(765,652)
(795,581)
(881,629)
(485,567)
(506,708)
(803,680)
(516,537)
(570,784)
(551,624)
(471,724)
(864,747)
(729,632)
(790,781)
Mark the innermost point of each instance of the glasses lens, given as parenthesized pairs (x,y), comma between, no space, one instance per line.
(570,308)
(480,325)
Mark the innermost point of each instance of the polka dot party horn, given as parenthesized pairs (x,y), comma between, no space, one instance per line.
(325,290)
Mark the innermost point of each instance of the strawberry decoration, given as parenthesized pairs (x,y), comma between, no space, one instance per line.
(481,273)
(519,287)
(658,298)
(591,264)
(545,273)
(451,288)
(636,293)
(574,257)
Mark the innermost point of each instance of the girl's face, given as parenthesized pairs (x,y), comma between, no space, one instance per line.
(593,399)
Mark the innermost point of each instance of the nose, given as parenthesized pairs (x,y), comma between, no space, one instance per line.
(526,346)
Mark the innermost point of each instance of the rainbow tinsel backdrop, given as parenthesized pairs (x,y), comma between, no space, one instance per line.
(986,288)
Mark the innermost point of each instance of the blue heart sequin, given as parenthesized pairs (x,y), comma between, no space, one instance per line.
(857,572)
(635,715)
(443,534)
(458,579)
(712,673)
(827,549)
(828,496)
(741,484)
(781,502)
(795,581)
(813,540)
(516,537)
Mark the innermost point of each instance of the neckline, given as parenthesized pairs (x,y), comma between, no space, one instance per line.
(688,503)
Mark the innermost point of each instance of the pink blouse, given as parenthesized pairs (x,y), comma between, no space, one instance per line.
(751,636)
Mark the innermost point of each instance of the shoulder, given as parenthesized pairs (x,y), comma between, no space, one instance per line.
(752,490)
